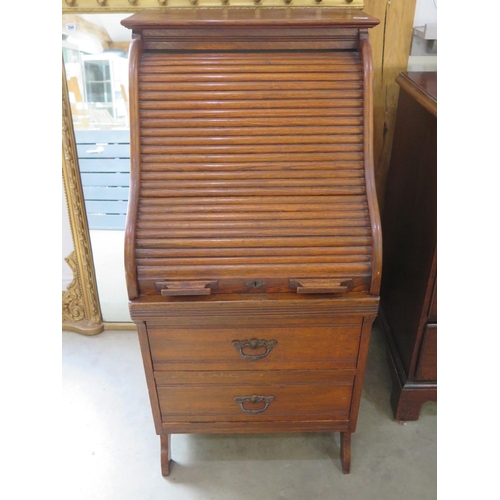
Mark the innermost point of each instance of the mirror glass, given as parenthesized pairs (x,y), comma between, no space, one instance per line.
(95,54)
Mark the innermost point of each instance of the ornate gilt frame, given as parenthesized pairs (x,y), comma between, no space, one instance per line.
(81,311)
(80,302)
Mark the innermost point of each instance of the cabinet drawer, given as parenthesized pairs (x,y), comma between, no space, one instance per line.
(427,362)
(294,347)
(277,395)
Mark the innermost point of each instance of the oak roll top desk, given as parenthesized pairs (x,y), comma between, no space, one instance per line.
(253,245)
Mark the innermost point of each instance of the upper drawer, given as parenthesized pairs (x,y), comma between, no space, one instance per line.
(294,347)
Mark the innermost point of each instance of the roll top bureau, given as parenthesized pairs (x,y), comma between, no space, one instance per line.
(252,243)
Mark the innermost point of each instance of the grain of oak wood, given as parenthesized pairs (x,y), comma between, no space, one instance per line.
(224,69)
(296,346)
(390,42)
(252,170)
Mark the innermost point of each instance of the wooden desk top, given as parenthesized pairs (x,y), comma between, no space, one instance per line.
(422,86)
(298,17)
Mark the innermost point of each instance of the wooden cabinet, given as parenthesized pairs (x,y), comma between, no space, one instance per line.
(409,286)
(253,246)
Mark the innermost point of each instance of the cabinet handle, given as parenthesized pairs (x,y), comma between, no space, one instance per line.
(178,288)
(320,285)
(241,400)
(239,345)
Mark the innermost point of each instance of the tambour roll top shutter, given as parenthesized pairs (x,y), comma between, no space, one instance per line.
(251,170)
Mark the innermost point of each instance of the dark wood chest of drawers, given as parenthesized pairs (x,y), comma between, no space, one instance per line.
(253,247)
(409,287)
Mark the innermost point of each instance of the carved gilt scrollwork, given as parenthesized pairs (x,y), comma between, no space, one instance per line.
(73,305)
(82,301)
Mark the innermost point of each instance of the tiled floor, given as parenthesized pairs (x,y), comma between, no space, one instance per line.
(112,451)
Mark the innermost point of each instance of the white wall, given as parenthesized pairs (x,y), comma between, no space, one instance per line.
(67,244)
(425,12)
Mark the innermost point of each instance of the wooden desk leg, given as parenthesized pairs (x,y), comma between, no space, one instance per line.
(166,461)
(345,451)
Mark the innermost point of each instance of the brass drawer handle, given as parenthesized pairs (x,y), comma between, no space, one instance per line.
(239,345)
(241,400)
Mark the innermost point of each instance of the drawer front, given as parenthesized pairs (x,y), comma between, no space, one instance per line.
(254,396)
(293,347)
(427,363)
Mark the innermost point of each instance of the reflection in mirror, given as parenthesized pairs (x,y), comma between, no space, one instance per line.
(95,49)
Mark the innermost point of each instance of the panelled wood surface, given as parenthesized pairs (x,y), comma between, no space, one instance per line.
(265,177)
(297,395)
(241,39)
(148,370)
(257,310)
(427,362)
(410,228)
(296,346)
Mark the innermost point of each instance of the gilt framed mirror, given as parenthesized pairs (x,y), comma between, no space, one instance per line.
(95,158)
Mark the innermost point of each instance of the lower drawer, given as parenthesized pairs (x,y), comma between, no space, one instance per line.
(255,395)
